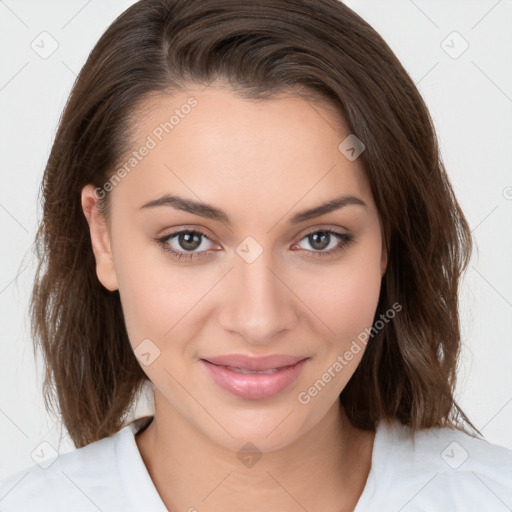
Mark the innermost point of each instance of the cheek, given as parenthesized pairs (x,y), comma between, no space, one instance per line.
(156,299)
(345,298)
(154,294)
(345,295)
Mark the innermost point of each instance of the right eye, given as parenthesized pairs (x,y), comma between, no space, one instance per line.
(180,244)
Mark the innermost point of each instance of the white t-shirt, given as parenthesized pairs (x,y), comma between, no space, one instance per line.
(437,470)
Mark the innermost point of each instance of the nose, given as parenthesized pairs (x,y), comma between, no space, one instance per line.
(259,305)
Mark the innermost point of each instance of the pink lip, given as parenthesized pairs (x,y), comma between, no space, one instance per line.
(282,371)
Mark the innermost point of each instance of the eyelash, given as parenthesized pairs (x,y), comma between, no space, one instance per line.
(343,238)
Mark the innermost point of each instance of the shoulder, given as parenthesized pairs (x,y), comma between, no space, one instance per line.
(81,477)
(444,469)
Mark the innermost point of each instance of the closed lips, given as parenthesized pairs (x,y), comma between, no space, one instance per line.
(246,371)
(247,364)
(253,378)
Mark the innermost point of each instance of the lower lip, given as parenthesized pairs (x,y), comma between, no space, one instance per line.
(253,386)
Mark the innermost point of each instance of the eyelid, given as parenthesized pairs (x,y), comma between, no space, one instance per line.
(321,227)
(184,227)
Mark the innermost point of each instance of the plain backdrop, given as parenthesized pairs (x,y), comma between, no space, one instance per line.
(457,52)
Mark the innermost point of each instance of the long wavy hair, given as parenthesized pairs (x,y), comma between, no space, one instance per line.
(262,48)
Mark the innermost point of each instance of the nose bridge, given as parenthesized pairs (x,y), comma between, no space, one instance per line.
(259,305)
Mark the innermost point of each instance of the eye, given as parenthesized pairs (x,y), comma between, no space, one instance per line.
(330,239)
(180,244)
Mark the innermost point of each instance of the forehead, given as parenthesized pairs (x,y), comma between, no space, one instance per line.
(213,145)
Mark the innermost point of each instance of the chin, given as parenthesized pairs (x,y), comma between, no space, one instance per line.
(269,427)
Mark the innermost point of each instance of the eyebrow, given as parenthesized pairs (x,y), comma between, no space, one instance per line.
(211,212)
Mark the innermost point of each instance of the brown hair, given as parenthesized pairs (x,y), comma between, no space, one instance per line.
(260,48)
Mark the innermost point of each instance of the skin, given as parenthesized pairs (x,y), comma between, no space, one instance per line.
(261,162)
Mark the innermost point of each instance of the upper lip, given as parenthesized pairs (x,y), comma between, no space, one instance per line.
(255,363)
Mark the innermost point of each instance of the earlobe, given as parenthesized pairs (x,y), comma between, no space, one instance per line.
(100,239)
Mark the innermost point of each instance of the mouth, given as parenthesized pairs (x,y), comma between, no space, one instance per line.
(245,371)
(254,378)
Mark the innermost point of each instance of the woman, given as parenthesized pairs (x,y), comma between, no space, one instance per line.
(245,207)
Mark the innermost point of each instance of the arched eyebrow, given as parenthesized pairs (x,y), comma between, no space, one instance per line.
(211,212)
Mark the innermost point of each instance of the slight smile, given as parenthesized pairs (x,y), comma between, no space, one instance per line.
(254,378)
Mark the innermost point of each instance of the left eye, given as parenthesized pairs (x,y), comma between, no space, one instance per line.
(326,240)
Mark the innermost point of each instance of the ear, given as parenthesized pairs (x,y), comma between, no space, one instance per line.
(100,239)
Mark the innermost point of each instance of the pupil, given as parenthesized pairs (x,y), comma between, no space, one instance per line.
(319,240)
(190,241)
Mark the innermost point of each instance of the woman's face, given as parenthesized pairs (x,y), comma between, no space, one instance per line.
(251,277)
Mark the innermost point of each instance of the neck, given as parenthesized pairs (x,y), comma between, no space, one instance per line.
(325,469)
